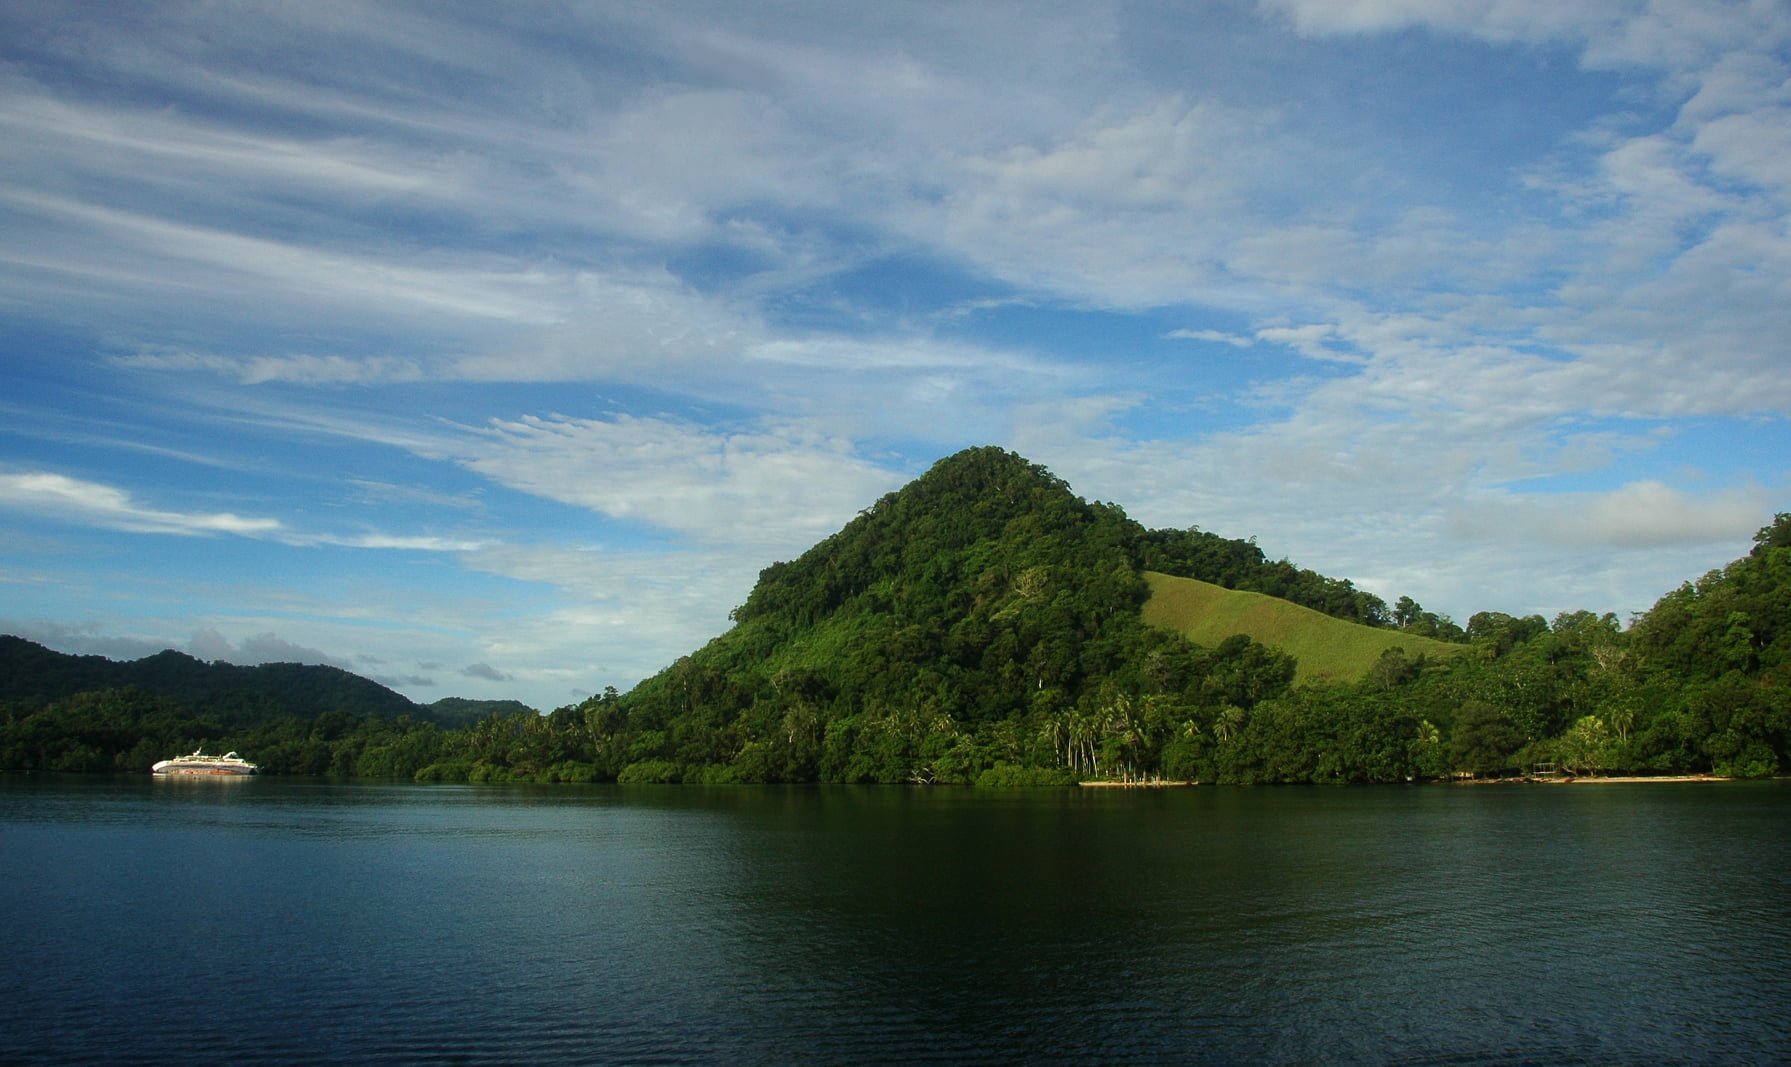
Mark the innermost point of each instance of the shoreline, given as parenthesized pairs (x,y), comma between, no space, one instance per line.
(1614,779)
(1592,779)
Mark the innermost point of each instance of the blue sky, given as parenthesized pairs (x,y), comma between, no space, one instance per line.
(492,350)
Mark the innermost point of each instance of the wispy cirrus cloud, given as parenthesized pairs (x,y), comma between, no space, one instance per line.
(42,492)
(48,494)
(767,485)
(1215,336)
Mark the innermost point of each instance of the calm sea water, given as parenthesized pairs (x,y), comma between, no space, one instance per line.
(303,922)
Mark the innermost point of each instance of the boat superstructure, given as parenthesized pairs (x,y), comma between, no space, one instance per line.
(228,765)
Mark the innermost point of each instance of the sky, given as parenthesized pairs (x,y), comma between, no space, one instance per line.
(492,350)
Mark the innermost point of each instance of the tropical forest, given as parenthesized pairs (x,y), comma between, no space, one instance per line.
(986,626)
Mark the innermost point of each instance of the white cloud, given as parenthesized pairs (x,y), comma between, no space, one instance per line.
(107,506)
(1128,211)
(1646,514)
(644,327)
(84,638)
(396,542)
(132,261)
(1318,341)
(259,370)
(209,644)
(1215,336)
(184,155)
(770,486)
(616,615)
(1497,20)
(655,164)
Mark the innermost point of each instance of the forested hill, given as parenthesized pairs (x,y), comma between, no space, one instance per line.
(462,711)
(956,484)
(984,613)
(31,674)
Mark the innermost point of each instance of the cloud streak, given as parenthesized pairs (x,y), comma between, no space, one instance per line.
(767,486)
(58,496)
(113,508)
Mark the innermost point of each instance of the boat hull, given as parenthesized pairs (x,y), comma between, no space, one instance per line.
(201,772)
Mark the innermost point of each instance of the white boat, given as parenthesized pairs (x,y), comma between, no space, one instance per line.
(229,764)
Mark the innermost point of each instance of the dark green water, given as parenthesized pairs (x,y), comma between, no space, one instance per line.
(280,921)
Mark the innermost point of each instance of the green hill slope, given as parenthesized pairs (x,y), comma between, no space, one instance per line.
(1326,648)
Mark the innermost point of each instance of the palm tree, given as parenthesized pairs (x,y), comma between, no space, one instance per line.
(1228,722)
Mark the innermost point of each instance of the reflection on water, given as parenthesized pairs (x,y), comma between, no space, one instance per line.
(303,921)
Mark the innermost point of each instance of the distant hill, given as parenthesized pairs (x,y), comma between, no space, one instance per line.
(461,711)
(33,675)
(67,713)
(1326,648)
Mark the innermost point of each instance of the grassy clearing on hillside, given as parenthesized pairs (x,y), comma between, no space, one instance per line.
(1327,649)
